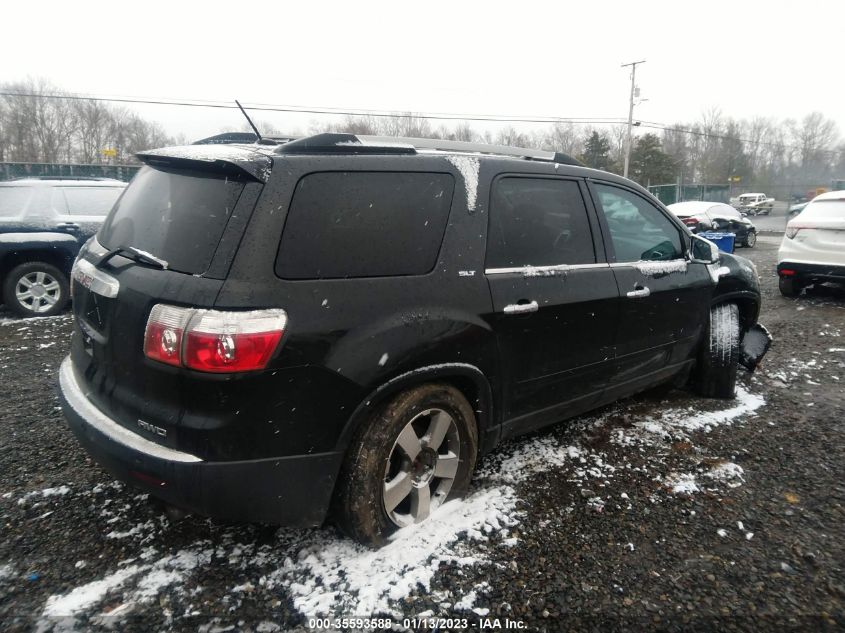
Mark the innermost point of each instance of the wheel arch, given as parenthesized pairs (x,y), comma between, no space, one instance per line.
(466,378)
(748,304)
(58,257)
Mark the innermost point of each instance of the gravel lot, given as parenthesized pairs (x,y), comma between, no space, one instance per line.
(665,511)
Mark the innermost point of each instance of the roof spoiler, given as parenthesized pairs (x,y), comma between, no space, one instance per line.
(331,143)
(220,159)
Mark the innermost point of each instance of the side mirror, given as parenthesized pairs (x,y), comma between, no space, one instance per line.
(703,251)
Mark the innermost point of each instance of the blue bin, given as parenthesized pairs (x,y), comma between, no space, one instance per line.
(725,241)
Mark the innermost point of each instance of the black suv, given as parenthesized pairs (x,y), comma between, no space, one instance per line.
(43,222)
(343,324)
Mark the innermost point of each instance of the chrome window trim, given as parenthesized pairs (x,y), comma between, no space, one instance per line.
(542,269)
(79,402)
(639,261)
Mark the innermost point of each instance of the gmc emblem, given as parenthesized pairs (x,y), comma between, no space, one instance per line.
(152,428)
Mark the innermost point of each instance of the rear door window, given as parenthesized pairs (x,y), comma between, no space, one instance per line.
(638,229)
(91,200)
(364,224)
(178,216)
(538,222)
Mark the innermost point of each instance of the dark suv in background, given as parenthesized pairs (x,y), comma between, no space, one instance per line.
(43,222)
(341,325)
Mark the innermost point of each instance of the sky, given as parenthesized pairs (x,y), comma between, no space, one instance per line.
(526,58)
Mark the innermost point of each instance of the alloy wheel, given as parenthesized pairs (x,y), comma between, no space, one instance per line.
(422,467)
(38,291)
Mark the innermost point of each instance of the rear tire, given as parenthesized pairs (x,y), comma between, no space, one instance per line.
(719,355)
(379,472)
(35,289)
(790,287)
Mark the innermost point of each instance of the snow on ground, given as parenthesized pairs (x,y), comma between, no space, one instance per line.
(332,575)
(326,574)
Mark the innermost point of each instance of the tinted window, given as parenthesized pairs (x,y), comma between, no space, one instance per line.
(14,200)
(91,200)
(538,222)
(176,216)
(364,224)
(638,229)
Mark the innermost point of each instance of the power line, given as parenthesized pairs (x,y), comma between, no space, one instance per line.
(325,110)
(492,118)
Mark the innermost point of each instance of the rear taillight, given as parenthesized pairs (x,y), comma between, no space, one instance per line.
(213,340)
(792,231)
(786,272)
(690,221)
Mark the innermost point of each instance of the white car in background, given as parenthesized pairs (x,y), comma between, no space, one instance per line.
(755,204)
(715,216)
(813,247)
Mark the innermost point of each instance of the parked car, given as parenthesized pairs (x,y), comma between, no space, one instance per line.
(346,324)
(701,216)
(43,222)
(813,247)
(755,204)
(795,209)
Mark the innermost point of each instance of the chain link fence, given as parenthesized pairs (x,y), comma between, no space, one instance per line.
(670,194)
(11,171)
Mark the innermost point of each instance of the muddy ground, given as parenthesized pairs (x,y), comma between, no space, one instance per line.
(665,512)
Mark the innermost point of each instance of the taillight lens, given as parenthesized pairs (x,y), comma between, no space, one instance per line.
(164,333)
(213,340)
(792,231)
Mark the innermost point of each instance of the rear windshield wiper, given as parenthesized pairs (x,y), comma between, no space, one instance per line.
(135,254)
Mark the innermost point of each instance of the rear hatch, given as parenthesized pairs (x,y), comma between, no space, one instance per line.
(820,229)
(169,239)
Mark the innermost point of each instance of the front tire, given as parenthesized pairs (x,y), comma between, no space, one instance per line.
(719,355)
(407,459)
(35,289)
(750,239)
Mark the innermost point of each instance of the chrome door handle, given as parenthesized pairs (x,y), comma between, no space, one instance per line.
(521,308)
(70,226)
(639,293)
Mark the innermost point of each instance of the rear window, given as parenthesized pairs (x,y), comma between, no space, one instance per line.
(176,216)
(824,209)
(91,200)
(364,224)
(13,201)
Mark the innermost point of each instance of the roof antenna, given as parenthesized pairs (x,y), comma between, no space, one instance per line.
(258,138)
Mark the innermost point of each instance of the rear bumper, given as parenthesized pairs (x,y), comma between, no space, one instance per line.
(294,491)
(832,272)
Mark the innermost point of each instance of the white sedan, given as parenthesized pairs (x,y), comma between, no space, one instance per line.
(813,247)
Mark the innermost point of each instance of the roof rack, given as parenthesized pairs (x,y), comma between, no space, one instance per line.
(332,143)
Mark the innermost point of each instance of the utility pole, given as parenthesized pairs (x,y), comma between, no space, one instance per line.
(633,66)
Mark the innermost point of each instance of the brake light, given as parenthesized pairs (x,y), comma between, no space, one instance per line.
(786,272)
(213,340)
(164,333)
(690,221)
(792,231)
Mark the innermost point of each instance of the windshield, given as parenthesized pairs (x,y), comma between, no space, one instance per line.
(178,217)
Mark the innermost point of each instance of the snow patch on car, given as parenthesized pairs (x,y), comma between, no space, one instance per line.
(655,268)
(468,167)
